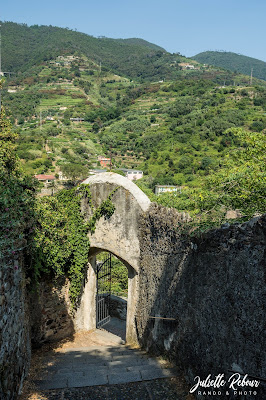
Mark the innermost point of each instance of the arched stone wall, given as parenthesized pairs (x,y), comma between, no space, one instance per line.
(117,235)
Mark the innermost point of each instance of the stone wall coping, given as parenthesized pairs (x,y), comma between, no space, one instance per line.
(119,180)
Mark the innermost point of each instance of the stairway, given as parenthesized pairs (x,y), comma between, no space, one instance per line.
(98,365)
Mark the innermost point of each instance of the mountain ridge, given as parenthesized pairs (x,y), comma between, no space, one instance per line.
(24,46)
(233,62)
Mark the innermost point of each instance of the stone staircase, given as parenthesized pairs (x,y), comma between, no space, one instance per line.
(94,365)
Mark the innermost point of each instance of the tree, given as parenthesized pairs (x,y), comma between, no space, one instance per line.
(74,171)
(16,196)
(242,181)
(8,158)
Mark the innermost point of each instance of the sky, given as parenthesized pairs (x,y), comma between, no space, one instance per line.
(184,26)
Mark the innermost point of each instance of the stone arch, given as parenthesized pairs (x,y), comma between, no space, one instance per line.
(117,235)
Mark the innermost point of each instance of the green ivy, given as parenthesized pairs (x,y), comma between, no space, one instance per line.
(105,209)
(61,243)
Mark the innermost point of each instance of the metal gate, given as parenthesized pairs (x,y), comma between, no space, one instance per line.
(103,284)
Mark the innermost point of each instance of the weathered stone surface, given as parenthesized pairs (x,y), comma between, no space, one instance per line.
(213,286)
(88,367)
(51,313)
(118,307)
(15,349)
(118,235)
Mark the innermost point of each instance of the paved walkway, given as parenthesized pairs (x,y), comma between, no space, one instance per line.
(117,327)
(98,365)
(93,366)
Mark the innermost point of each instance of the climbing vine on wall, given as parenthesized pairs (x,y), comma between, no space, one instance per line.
(106,209)
(61,243)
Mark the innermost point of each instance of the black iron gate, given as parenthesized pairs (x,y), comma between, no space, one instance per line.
(103,284)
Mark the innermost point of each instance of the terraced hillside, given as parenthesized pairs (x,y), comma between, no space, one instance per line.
(71,109)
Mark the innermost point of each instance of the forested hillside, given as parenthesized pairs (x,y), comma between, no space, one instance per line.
(72,101)
(25,46)
(233,62)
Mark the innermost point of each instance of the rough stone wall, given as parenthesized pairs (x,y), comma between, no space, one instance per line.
(119,233)
(213,286)
(50,310)
(15,351)
(118,307)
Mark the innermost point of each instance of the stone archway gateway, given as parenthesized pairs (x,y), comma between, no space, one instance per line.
(117,235)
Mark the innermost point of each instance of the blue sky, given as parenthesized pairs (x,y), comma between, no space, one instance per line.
(184,26)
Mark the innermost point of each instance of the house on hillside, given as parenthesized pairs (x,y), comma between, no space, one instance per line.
(187,66)
(132,174)
(77,119)
(45,178)
(104,161)
(159,189)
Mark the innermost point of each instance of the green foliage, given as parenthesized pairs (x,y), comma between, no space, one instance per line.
(193,137)
(16,198)
(105,209)
(61,243)
(22,104)
(239,184)
(28,45)
(74,171)
(8,158)
(233,62)
(119,278)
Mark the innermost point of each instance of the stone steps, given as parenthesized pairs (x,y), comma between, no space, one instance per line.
(92,366)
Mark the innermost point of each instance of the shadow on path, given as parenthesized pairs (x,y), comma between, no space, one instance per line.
(102,368)
(116,327)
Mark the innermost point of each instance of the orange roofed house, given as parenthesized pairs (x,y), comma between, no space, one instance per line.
(104,161)
(45,178)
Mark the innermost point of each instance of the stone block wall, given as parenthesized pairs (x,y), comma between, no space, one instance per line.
(50,311)
(213,286)
(118,307)
(15,350)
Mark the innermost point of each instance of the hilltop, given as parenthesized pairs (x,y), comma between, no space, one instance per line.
(142,42)
(25,46)
(233,62)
